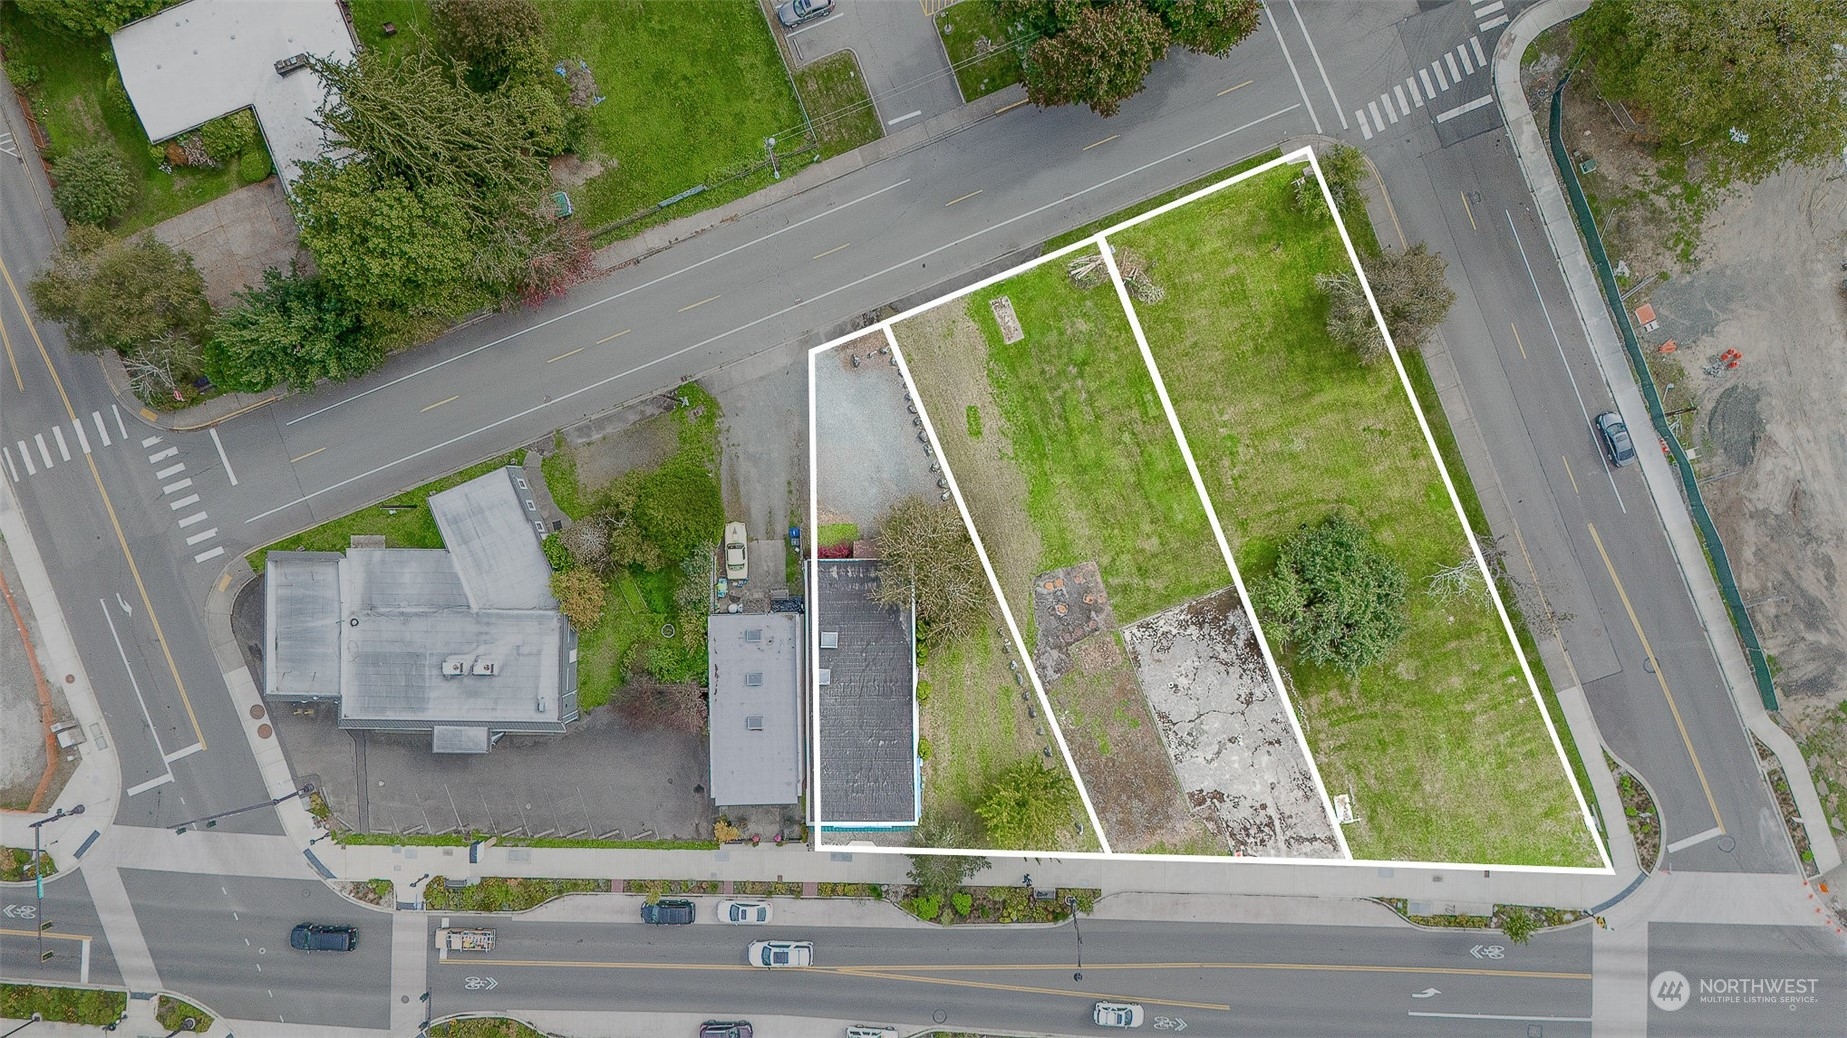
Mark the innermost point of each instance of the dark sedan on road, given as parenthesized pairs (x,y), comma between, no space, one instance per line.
(1614,435)
(313,937)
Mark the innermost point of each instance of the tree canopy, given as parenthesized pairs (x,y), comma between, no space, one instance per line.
(87,18)
(123,295)
(1753,84)
(1099,52)
(489,37)
(1025,806)
(292,330)
(938,875)
(93,185)
(927,555)
(1336,597)
(1412,293)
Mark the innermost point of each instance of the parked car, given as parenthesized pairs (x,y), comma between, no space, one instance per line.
(795,12)
(1617,445)
(743,911)
(775,954)
(669,911)
(725,1029)
(315,937)
(1117,1014)
(871,1031)
(737,553)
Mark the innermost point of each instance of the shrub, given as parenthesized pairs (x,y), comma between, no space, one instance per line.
(962,901)
(93,185)
(228,136)
(1338,597)
(923,690)
(926,907)
(1025,806)
(580,597)
(23,74)
(555,553)
(923,748)
(1518,924)
(253,167)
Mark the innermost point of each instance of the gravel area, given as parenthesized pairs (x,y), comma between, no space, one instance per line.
(867,453)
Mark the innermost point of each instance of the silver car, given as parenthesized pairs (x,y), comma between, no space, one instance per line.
(743,912)
(779,954)
(1117,1014)
(795,12)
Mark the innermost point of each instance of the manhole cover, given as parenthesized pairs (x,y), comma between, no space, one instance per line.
(1648,664)
(264,731)
(666,630)
(70,679)
(1726,843)
(256,711)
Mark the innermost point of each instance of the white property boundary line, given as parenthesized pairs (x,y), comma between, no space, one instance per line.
(1099,240)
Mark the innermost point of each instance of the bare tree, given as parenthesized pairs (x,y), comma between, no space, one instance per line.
(928,555)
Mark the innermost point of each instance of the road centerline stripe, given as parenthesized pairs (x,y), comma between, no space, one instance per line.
(964,198)
(831,251)
(439,403)
(1240,86)
(1105,140)
(571,353)
(611,338)
(700,303)
(305,457)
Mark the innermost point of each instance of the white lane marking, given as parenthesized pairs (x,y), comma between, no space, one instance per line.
(159,456)
(9,463)
(1293,72)
(600,302)
(226,462)
(1455,74)
(1442,83)
(149,441)
(189,499)
(158,780)
(1483,12)
(791,308)
(204,555)
(1404,107)
(1475,44)
(1377,119)
(187,752)
(902,118)
(26,456)
(204,535)
(171,487)
(1416,98)
(83,964)
(1485,99)
(1313,53)
(1697,838)
(1429,91)
(119,424)
(1490,1016)
(135,684)
(1493,23)
(57,433)
(83,440)
(1547,311)
(1360,114)
(193,518)
(1390,112)
(39,438)
(170,471)
(101,429)
(1468,66)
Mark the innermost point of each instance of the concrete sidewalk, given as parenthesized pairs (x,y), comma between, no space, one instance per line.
(1607,349)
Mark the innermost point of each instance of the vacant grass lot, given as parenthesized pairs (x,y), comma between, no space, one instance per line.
(1442,744)
(835,92)
(978,42)
(76,101)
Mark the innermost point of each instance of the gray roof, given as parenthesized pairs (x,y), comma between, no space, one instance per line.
(201,59)
(302,600)
(868,715)
(755,679)
(396,637)
(492,527)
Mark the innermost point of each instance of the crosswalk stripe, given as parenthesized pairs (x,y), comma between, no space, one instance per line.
(1429,91)
(1442,84)
(171,470)
(160,456)
(1454,72)
(1377,119)
(101,430)
(9,463)
(193,518)
(119,425)
(39,438)
(149,441)
(1416,98)
(57,433)
(1480,58)
(1468,67)
(189,499)
(82,440)
(1493,23)
(1390,113)
(1483,12)
(26,456)
(180,485)
(1359,116)
(204,555)
(204,536)
(1404,107)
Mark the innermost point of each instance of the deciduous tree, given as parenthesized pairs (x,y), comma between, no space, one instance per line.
(112,294)
(1350,319)
(1099,57)
(1752,84)
(927,555)
(1335,596)
(93,185)
(939,875)
(580,595)
(85,18)
(1209,26)
(1412,293)
(1026,805)
(490,37)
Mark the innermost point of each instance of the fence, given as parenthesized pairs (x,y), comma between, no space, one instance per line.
(1689,483)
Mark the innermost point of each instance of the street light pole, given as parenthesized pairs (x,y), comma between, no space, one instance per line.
(211,821)
(38,875)
(1071,903)
(35,1019)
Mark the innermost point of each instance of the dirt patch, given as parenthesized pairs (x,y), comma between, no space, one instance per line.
(1233,745)
(569,171)
(1069,606)
(1736,424)
(640,436)
(1010,330)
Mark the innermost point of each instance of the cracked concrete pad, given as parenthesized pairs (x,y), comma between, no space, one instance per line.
(1233,744)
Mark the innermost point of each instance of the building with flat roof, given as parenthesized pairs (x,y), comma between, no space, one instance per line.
(866,702)
(755,681)
(462,642)
(195,61)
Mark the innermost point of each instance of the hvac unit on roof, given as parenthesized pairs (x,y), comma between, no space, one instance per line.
(542,706)
(455,666)
(753,723)
(753,679)
(827,676)
(486,666)
(830,639)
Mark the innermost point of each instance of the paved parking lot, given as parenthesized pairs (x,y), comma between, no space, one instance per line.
(898,51)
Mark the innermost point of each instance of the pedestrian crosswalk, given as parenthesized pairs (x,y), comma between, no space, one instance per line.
(191,519)
(1491,15)
(25,458)
(1424,89)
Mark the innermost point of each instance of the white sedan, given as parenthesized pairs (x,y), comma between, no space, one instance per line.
(1117,1014)
(774,954)
(743,911)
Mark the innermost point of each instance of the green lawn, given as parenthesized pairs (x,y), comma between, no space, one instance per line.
(1442,744)
(62,1005)
(1102,475)
(404,519)
(75,100)
(483,1027)
(975,36)
(835,92)
(411,17)
(833,534)
(692,90)
(172,1013)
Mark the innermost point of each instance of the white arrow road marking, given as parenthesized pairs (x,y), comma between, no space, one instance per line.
(1426,993)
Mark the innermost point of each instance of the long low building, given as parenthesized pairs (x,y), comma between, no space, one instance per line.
(462,642)
(866,702)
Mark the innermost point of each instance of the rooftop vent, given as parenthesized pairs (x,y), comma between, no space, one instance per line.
(486,666)
(455,666)
(830,639)
(753,679)
(754,634)
(753,723)
(294,63)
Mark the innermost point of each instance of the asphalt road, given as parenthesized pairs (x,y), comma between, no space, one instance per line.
(72,917)
(1221,979)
